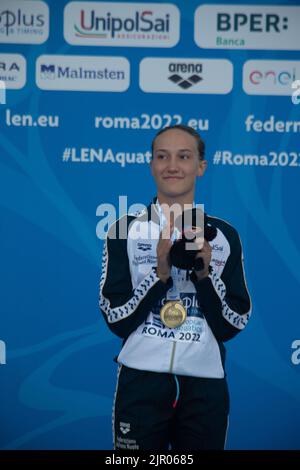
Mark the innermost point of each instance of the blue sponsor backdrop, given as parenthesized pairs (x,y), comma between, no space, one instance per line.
(58,382)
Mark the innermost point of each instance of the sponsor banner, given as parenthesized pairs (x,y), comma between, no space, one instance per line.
(82,73)
(247,27)
(174,75)
(270,77)
(24,22)
(121,24)
(13,70)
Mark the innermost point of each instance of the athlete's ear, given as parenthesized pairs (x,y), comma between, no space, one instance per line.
(202,167)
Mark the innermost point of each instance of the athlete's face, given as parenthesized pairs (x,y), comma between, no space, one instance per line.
(175,164)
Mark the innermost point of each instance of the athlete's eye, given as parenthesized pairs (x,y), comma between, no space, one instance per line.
(161,156)
(184,156)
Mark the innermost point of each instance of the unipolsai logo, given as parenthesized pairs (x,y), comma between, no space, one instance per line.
(110,26)
(121,24)
(2,352)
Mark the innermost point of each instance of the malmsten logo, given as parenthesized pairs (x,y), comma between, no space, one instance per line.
(183,81)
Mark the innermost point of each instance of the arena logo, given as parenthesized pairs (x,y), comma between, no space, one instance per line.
(24,22)
(144,246)
(247,27)
(84,73)
(13,70)
(270,77)
(187,80)
(121,24)
(178,75)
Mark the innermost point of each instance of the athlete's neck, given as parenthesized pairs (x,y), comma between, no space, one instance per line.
(185,202)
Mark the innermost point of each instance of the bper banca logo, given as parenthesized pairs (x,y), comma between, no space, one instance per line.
(247,27)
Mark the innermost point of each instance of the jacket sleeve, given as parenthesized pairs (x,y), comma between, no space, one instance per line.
(225,300)
(123,307)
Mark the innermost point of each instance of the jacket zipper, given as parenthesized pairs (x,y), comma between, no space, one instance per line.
(172,356)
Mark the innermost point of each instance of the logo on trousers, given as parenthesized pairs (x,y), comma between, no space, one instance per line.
(124,427)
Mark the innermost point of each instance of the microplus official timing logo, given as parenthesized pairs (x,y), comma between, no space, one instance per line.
(23,22)
(121,24)
(239,26)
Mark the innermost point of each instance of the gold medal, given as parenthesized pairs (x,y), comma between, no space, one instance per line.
(173,314)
